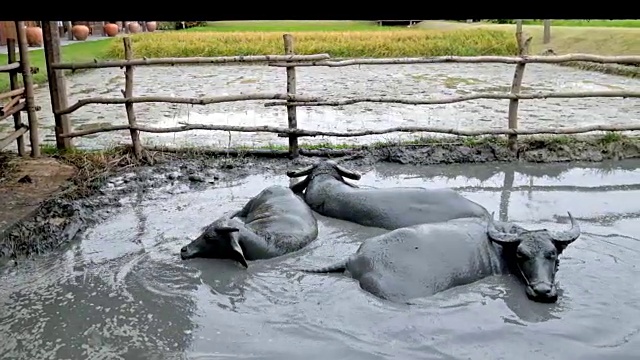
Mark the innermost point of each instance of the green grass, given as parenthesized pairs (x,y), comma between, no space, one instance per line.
(627,23)
(82,51)
(289,26)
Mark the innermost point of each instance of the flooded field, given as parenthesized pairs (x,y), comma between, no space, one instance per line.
(411,81)
(121,291)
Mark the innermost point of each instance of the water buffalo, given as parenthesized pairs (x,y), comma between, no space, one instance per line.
(327,192)
(422,260)
(273,223)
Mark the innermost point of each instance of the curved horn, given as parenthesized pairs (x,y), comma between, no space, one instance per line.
(299,187)
(568,236)
(349,174)
(300,172)
(499,236)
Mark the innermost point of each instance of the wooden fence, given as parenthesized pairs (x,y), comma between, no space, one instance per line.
(20,98)
(291,100)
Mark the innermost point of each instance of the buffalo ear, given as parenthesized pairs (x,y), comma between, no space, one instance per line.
(238,254)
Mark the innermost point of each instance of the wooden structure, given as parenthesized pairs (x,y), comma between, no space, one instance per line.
(20,97)
(291,100)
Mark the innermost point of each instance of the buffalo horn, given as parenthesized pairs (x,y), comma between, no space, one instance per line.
(497,235)
(300,172)
(570,235)
(349,174)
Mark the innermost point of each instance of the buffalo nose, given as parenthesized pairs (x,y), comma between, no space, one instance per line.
(542,289)
(184,249)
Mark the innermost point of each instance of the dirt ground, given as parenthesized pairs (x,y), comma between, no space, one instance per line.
(28,183)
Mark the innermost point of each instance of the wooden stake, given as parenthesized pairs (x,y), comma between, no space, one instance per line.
(57,84)
(516,84)
(291,90)
(13,79)
(27,79)
(128,93)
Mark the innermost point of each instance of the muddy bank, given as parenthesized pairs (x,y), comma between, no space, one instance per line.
(58,220)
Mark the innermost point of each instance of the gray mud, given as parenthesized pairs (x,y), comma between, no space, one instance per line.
(419,80)
(120,290)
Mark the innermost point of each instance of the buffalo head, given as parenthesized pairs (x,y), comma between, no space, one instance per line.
(535,254)
(216,242)
(327,167)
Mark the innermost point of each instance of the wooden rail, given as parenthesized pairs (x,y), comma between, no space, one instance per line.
(20,98)
(291,100)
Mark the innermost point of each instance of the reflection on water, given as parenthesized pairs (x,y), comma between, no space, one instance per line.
(123,290)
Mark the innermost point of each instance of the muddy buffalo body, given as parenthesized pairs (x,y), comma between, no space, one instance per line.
(327,192)
(273,223)
(422,260)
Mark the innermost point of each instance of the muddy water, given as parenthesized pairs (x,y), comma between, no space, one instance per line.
(123,292)
(419,81)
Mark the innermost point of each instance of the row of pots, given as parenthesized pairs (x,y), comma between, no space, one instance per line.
(81,32)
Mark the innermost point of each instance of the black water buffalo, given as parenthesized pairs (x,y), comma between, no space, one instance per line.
(273,223)
(327,192)
(421,260)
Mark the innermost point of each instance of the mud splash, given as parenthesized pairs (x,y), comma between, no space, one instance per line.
(120,290)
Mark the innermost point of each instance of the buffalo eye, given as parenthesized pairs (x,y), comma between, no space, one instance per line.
(550,255)
(522,255)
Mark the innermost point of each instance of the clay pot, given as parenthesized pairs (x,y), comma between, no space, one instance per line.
(111,29)
(134,27)
(152,26)
(34,36)
(80,32)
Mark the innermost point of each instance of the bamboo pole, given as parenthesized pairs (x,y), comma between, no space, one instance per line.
(57,84)
(27,79)
(542,59)
(96,64)
(128,93)
(300,100)
(516,84)
(401,129)
(13,136)
(547,31)
(291,90)
(17,93)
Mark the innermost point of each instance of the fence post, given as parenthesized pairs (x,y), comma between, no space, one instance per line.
(57,83)
(516,85)
(128,93)
(291,90)
(27,80)
(13,79)
(547,31)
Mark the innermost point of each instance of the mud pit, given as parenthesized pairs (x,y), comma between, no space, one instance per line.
(120,289)
(426,80)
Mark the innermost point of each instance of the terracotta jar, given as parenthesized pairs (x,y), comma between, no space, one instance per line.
(134,27)
(80,32)
(111,29)
(34,36)
(152,26)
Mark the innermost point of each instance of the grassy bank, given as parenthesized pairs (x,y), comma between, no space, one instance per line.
(392,43)
(611,40)
(626,23)
(82,51)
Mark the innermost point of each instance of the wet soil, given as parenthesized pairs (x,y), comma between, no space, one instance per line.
(120,290)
